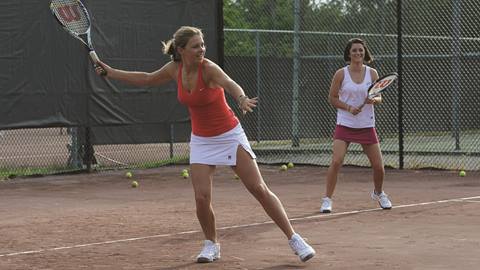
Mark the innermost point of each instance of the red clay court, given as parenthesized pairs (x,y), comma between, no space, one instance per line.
(97,221)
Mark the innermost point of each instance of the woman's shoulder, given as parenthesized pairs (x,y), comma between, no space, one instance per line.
(340,72)
(210,68)
(372,69)
(209,64)
(373,73)
(166,72)
(172,68)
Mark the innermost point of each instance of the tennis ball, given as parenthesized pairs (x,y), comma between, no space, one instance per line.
(283,167)
(129,175)
(462,173)
(290,165)
(134,184)
(236,177)
(185,175)
(184,171)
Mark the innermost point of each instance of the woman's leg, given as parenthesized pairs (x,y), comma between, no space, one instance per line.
(374,154)
(339,151)
(202,177)
(249,173)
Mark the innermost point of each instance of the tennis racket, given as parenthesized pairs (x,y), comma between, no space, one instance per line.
(380,85)
(73,17)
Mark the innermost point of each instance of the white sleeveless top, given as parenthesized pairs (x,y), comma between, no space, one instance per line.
(354,94)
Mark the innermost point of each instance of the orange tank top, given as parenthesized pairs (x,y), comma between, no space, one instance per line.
(209,112)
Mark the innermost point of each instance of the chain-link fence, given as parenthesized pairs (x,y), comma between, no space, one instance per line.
(289,51)
(59,150)
(286,52)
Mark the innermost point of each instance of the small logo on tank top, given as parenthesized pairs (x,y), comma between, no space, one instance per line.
(229,157)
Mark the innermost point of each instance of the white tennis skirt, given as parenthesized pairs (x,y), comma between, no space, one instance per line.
(219,150)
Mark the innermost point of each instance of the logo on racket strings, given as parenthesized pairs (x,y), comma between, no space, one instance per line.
(382,84)
(69,13)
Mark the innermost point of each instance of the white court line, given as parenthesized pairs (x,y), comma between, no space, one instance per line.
(467,199)
(472,201)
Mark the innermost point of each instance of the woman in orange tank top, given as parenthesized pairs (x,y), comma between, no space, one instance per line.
(217,137)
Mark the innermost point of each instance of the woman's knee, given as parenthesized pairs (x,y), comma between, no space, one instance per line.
(260,191)
(377,164)
(378,168)
(203,200)
(337,163)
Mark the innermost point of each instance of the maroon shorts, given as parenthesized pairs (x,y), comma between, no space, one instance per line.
(356,135)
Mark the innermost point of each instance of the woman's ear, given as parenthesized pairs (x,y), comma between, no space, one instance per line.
(179,50)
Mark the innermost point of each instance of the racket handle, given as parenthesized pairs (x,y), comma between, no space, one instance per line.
(95,59)
(369,97)
(94,56)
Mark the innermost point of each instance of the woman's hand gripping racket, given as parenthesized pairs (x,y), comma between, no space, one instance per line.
(73,17)
(379,86)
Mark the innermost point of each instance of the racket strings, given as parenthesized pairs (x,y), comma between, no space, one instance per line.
(72,15)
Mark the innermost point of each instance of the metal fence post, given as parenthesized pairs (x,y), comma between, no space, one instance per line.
(456,76)
(259,83)
(296,74)
(400,78)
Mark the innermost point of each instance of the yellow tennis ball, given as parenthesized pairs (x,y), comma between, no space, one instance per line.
(290,165)
(283,167)
(134,184)
(184,171)
(462,173)
(129,175)
(185,175)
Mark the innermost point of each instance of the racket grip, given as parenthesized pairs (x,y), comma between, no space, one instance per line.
(95,59)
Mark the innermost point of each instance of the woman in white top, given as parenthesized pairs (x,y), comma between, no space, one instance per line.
(355,124)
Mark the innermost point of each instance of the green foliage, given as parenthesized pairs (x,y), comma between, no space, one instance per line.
(315,15)
(258,14)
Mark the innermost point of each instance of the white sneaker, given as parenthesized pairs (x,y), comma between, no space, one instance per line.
(326,205)
(301,248)
(210,252)
(382,199)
